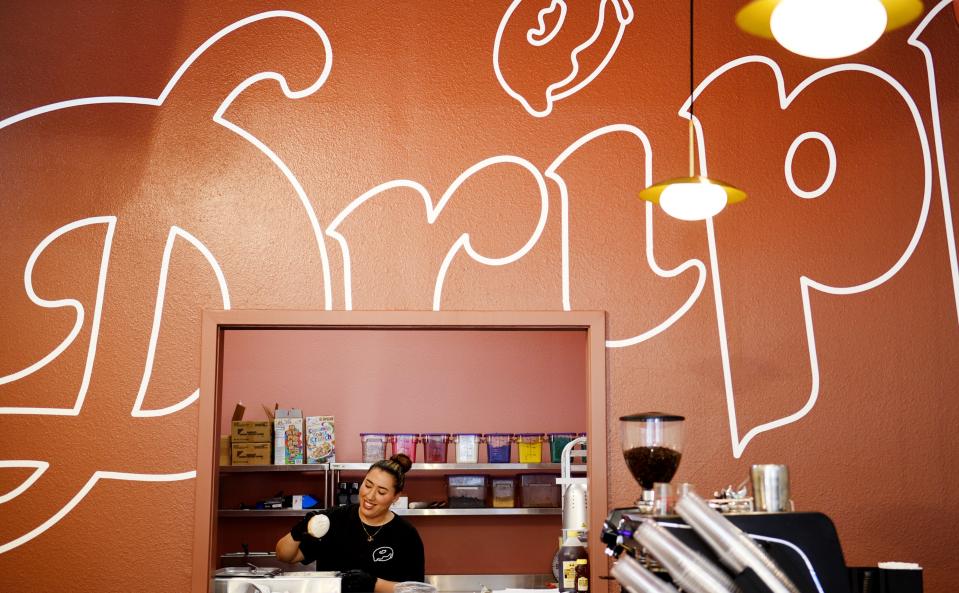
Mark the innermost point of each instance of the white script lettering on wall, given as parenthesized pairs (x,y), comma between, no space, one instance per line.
(158,319)
(236,238)
(937,138)
(805,285)
(462,242)
(699,266)
(80,317)
(122,238)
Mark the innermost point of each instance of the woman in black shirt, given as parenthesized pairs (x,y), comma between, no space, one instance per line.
(372,546)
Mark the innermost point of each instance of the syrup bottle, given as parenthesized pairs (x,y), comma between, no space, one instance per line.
(573,565)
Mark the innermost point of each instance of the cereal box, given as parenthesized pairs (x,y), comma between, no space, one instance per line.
(287,441)
(320,445)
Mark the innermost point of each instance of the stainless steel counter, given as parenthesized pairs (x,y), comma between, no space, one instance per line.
(289,582)
(473,583)
(325,582)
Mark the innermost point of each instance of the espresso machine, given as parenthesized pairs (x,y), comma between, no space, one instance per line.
(702,545)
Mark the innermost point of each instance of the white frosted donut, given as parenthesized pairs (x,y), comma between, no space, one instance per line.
(318,525)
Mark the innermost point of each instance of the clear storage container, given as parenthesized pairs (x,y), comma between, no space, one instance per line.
(404,442)
(466,491)
(558,442)
(374,446)
(467,447)
(434,447)
(529,448)
(503,492)
(539,490)
(498,447)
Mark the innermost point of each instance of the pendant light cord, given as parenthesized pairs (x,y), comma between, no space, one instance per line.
(691,55)
(692,140)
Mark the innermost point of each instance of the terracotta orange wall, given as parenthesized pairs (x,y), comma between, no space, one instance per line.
(819,332)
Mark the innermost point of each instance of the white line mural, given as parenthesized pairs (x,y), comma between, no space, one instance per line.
(551,172)
(175,232)
(433,212)
(81,494)
(110,222)
(937,137)
(463,241)
(571,83)
(830,175)
(739,442)
(39,467)
(219,118)
(540,37)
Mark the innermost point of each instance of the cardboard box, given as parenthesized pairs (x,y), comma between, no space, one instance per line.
(251,431)
(225,450)
(288,441)
(320,443)
(251,454)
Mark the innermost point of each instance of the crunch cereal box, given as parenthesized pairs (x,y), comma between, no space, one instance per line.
(287,441)
(320,443)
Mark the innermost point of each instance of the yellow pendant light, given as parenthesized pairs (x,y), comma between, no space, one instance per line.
(694,197)
(826,29)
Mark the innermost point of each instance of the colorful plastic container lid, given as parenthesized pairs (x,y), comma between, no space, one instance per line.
(435,434)
(374,434)
(466,479)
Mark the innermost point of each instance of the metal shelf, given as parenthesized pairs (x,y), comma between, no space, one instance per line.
(331,473)
(443,467)
(303,467)
(429,467)
(476,512)
(250,513)
(484,512)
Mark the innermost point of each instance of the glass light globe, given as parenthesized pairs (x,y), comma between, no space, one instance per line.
(693,200)
(827,29)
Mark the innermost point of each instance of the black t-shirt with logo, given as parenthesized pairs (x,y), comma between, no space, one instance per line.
(395,554)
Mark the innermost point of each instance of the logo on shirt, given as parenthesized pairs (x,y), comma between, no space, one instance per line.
(383,554)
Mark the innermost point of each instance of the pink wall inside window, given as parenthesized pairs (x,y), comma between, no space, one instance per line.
(410,380)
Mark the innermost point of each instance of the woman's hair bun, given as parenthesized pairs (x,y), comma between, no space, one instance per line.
(402,460)
(396,466)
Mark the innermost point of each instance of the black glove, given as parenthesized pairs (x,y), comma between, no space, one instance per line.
(356,581)
(300,529)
